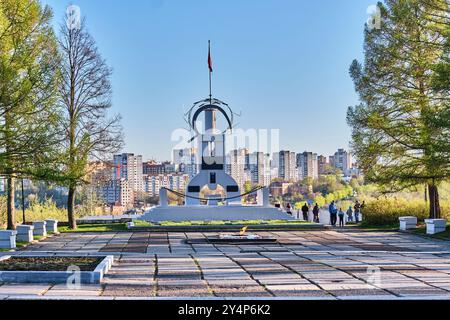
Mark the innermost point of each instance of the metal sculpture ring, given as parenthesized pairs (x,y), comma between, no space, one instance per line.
(209,107)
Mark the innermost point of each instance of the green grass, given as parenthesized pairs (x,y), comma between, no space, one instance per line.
(217,223)
(95,228)
(21,244)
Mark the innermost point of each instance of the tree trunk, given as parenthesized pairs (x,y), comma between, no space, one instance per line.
(433,194)
(10,205)
(71,208)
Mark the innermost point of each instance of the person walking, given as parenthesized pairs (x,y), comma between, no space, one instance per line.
(333,213)
(316,211)
(357,208)
(341,218)
(350,214)
(305,211)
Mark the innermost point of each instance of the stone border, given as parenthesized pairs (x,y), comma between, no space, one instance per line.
(231,228)
(57,277)
(99,221)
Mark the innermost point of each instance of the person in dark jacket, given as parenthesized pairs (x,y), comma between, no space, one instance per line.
(350,214)
(316,211)
(341,215)
(305,211)
(333,213)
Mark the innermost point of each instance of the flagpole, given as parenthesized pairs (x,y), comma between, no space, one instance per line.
(210,73)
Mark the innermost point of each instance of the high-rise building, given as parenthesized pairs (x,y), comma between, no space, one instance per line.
(235,166)
(286,163)
(259,168)
(307,165)
(129,167)
(323,164)
(342,160)
(118,193)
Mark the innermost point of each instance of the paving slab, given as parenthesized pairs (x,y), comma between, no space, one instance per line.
(128,290)
(303,264)
(23,289)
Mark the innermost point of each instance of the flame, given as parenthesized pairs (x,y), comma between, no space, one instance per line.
(243,231)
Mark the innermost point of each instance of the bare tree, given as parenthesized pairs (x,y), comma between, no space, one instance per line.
(85,93)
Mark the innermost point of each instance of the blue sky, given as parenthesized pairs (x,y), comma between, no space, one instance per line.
(282,63)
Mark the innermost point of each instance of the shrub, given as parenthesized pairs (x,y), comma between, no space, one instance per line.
(386,211)
(45,210)
(320,200)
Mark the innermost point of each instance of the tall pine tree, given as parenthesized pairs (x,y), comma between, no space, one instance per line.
(401,129)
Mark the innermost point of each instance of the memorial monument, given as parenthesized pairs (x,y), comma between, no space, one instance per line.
(224,199)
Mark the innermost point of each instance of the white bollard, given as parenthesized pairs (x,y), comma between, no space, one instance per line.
(8,239)
(51,225)
(40,229)
(435,225)
(407,223)
(25,233)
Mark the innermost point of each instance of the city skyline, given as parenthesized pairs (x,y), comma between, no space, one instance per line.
(128,178)
(155,81)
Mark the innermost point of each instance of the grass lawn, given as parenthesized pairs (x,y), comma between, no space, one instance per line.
(217,223)
(95,228)
(20,244)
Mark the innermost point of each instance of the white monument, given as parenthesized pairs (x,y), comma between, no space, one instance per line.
(213,194)
(221,198)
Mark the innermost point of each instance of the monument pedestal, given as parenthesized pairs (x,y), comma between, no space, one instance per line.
(214,213)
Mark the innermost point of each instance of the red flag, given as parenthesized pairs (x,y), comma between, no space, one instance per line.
(210,63)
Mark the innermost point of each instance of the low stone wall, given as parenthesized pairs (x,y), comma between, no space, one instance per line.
(214,213)
(57,277)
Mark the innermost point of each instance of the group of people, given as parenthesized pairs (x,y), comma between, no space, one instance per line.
(305,211)
(335,213)
(353,212)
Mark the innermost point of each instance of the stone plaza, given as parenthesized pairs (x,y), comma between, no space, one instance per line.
(326,264)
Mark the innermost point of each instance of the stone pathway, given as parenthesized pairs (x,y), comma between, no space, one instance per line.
(303,264)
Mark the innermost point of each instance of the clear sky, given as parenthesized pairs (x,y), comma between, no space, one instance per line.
(281,63)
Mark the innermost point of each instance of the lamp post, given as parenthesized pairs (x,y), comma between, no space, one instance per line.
(23,205)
